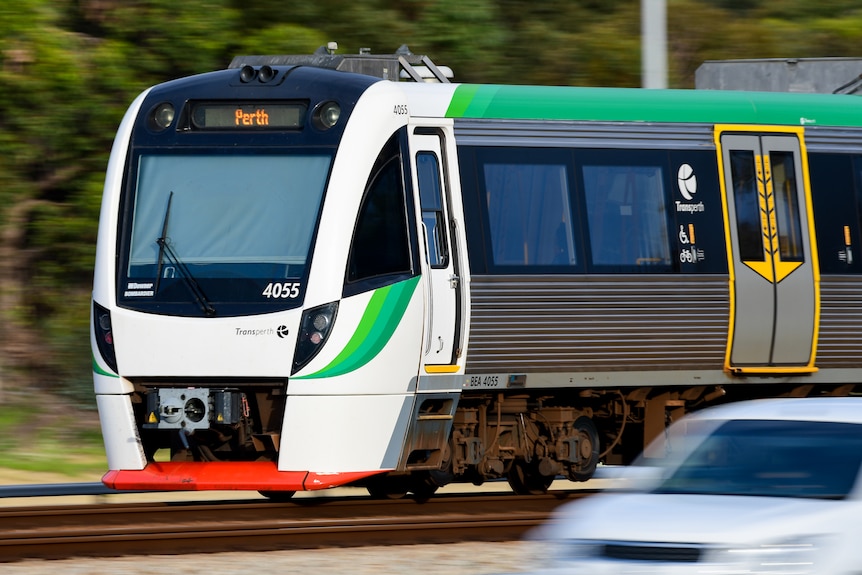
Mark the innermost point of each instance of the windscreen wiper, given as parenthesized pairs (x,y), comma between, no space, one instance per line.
(165,249)
(162,240)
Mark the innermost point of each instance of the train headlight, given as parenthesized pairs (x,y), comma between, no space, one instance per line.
(104,333)
(162,116)
(266,74)
(321,321)
(327,115)
(247,74)
(315,326)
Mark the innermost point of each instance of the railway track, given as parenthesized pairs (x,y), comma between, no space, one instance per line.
(57,532)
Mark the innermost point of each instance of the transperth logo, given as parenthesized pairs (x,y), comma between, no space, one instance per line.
(281,331)
(687,182)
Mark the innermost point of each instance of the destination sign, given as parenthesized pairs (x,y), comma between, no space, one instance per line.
(247,116)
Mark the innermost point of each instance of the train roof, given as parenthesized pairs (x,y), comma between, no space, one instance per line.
(522,102)
(636,105)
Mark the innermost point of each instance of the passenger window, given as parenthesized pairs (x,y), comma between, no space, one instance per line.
(836,210)
(431,198)
(380,241)
(529,213)
(627,216)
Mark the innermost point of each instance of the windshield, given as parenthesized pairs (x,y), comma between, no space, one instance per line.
(771,458)
(222,228)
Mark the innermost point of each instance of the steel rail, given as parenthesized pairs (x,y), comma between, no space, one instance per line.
(57,490)
(171,528)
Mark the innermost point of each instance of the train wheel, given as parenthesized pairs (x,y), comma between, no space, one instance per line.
(385,487)
(588,450)
(525,479)
(279,496)
(422,486)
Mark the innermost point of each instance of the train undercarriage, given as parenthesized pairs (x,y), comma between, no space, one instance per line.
(529,438)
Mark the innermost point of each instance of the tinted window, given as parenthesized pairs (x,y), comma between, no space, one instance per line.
(836,211)
(634,211)
(380,242)
(788,218)
(627,211)
(745,199)
(526,194)
(431,198)
(772,458)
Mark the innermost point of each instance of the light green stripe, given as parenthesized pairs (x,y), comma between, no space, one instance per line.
(381,317)
(365,328)
(640,105)
(384,326)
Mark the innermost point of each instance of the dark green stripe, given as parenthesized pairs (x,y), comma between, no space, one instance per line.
(98,369)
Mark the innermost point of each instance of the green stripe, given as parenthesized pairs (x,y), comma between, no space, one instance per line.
(381,317)
(98,369)
(471,101)
(639,105)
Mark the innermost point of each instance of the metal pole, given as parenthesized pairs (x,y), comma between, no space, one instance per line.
(654,43)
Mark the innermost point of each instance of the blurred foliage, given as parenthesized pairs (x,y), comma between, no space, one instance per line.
(35,440)
(69,68)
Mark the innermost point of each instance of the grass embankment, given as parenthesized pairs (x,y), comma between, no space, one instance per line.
(44,441)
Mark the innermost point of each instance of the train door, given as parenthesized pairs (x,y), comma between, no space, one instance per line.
(772,257)
(443,283)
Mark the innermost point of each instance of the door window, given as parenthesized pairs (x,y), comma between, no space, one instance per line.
(788,221)
(431,198)
(746,199)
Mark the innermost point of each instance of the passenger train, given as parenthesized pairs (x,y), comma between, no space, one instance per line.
(308,278)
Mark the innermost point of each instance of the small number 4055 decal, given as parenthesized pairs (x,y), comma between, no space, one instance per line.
(281,290)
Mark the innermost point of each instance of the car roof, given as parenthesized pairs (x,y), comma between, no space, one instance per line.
(836,409)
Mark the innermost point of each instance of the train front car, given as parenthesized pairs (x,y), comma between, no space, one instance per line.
(258,304)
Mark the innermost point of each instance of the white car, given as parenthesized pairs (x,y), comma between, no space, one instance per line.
(767,486)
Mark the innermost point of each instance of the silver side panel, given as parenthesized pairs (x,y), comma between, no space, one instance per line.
(842,140)
(617,135)
(840,343)
(522,324)
(583,134)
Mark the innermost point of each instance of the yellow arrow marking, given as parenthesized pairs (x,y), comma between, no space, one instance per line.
(772,269)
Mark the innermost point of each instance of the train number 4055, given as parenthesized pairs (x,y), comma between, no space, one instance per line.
(281,290)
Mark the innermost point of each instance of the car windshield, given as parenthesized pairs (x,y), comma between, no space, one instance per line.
(809,459)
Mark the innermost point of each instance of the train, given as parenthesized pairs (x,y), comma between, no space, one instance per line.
(308,277)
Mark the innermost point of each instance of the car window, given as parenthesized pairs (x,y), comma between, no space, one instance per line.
(772,458)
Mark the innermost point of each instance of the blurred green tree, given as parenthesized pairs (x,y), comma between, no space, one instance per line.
(48,159)
(69,68)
